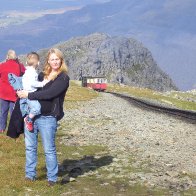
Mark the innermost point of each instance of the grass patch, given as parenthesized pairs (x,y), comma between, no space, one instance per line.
(93,179)
(76,94)
(180,100)
(93,159)
(13,164)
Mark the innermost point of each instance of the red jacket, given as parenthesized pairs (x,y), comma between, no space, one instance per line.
(6,90)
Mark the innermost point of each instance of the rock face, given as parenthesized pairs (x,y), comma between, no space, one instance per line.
(119,59)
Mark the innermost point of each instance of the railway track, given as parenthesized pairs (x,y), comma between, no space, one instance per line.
(183,114)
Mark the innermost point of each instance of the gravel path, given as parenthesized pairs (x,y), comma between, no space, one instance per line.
(163,147)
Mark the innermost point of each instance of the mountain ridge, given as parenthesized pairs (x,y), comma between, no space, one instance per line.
(120,59)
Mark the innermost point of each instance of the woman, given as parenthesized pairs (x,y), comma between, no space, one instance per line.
(7,93)
(51,98)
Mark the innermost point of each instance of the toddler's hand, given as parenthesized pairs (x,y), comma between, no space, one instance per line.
(22,94)
(45,81)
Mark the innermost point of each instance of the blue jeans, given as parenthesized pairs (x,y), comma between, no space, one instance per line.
(30,107)
(15,81)
(5,106)
(26,106)
(47,126)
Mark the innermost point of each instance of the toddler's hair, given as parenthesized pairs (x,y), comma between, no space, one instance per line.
(32,58)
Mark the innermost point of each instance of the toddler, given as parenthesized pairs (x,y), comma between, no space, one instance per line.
(29,82)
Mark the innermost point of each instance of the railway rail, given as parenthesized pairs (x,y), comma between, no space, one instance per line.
(185,114)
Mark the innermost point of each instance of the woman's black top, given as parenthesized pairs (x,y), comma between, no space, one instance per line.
(51,98)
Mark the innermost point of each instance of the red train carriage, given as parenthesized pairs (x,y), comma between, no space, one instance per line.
(96,83)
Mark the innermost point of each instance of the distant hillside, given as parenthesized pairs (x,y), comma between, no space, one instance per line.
(166,27)
(120,59)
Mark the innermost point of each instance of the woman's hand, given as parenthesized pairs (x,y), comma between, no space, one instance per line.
(22,94)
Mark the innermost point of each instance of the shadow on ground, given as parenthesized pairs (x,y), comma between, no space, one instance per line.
(71,169)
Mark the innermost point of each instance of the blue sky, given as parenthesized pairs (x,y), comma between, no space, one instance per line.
(37,5)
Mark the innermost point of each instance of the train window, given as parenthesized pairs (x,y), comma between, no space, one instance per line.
(94,80)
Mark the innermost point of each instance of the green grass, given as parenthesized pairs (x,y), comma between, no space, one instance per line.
(180,100)
(76,94)
(13,163)
(94,179)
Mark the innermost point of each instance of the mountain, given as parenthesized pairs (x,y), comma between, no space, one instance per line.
(119,59)
(165,27)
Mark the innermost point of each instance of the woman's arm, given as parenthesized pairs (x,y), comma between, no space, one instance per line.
(59,85)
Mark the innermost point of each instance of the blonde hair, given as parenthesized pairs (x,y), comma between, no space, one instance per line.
(47,68)
(11,54)
(32,59)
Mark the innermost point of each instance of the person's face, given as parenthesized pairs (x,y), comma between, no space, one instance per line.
(54,61)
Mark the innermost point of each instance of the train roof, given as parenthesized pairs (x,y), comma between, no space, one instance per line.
(92,77)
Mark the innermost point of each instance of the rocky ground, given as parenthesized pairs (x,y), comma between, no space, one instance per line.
(160,148)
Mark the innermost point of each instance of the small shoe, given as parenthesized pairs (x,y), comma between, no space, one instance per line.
(28,124)
(2,131)
(51,183)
